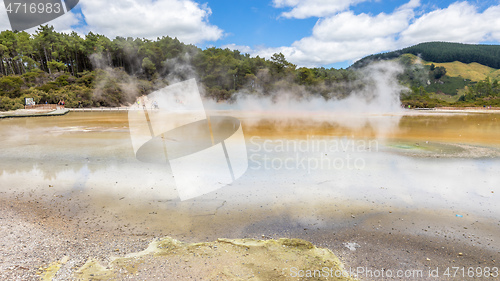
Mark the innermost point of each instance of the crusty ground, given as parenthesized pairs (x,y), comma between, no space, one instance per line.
(42,238)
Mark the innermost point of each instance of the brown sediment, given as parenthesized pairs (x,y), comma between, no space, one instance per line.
(466,128)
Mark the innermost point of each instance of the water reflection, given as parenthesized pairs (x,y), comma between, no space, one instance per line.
(92,153)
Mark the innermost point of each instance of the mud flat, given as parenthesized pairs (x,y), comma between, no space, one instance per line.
(423,197)
(61,238)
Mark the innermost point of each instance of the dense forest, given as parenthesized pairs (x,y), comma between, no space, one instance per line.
(488,55)
(96,71)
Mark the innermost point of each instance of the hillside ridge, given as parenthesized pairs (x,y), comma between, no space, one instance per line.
(442,52)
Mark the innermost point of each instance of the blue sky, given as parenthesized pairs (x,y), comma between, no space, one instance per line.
(255,23)
(331,33)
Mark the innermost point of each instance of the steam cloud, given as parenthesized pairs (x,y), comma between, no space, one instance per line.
(375,91)
(380,94)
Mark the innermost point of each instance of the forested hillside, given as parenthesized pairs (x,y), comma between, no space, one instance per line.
(98,71)
(488,55)
(49,66)
(431,85)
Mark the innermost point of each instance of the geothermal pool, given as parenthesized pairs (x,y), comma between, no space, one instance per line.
(431,178)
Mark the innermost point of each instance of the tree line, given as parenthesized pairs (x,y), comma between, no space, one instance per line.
(98,71)
(487,92)
(94,70)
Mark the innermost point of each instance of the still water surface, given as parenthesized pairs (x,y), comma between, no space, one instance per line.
(436,161)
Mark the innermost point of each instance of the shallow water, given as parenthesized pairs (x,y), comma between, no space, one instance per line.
(308,169)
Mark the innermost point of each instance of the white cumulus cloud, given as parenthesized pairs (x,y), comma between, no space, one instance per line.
(186,20)
(241,48)
(460,22)
(302,9)
(63,24)
(4,19)
(346,36)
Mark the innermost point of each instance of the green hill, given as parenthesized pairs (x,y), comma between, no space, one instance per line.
(448,84)
(443,52)
(472,71)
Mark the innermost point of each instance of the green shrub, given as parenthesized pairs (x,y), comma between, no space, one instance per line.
(11,86)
